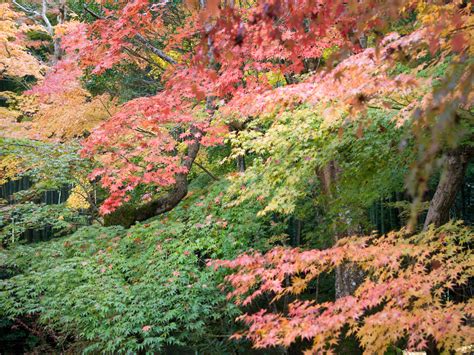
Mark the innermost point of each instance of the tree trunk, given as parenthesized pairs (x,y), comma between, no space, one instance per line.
(58,51)
(128,215)
(348,278)
(454,168)
(348,275)
(241,163)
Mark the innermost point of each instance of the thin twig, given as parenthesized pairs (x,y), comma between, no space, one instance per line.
(105,107)
(206,171)
(141,40)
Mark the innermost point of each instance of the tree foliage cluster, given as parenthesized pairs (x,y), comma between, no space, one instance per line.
(243,149)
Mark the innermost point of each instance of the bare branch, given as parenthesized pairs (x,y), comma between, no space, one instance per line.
(25,9)
(144,131)
(138,55)
(92,13)
(44,9)
(155,50)
(206,171)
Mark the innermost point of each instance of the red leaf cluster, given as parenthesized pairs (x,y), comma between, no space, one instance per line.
(231,47)
(407,293)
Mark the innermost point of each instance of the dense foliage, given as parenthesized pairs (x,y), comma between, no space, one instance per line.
(225,177)
(147,288)
(412,293)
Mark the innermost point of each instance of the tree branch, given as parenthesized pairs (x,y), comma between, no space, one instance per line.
(206,171)
(44,9)
(92,13)
(155,50)
(139,38)
(144,131)
(132,52)
(32,12)
(128,215)
(25,9)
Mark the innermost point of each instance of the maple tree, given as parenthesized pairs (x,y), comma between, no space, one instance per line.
(18,67)
(328,107)
(228,38)
(40,14)
(406,296)
(16,60)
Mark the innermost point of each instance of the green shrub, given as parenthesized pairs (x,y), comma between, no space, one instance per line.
(143,289)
